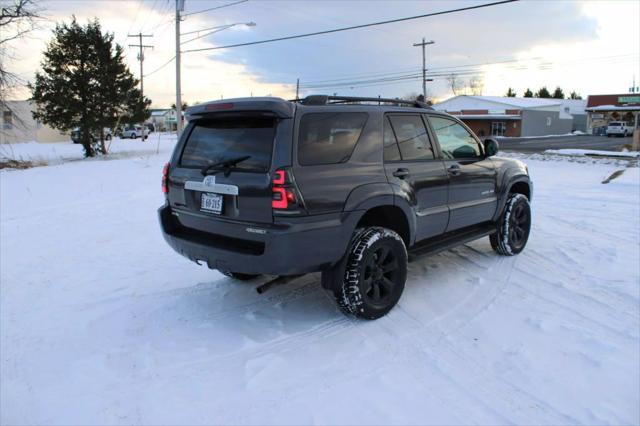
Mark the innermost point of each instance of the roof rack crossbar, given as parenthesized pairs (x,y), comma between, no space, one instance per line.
(332,100)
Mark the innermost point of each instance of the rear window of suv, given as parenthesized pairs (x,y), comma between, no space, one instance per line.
(329,137)
(226,138)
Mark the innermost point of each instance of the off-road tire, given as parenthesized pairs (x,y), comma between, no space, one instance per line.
(514,226)
(373,274)
(239,276)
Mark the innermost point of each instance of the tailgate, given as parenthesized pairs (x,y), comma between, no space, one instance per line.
(203,184)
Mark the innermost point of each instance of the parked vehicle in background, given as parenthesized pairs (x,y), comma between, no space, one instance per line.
(134,132)
(76,135)
(619,128)
(351,187)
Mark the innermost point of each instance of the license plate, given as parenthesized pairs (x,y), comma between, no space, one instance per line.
(211,203)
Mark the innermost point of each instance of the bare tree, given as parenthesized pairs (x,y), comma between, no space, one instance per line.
(16,21)
(476,85)
(455,83)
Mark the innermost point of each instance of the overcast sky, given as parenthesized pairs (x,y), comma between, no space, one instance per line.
(591,47)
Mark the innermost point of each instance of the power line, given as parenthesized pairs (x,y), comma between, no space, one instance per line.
(161,66)
(214,8)
(353,27)
(467,69)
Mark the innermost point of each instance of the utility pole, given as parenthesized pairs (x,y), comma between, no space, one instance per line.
(141,59)
(297,88)
(424,67)
(179,8)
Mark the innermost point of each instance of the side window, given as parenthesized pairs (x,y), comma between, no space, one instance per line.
(329,137)
(455,141)
(412,137)
(391,151)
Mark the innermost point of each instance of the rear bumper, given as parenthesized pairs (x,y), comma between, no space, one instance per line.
(289,246)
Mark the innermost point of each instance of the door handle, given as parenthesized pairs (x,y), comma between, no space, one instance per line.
(401,173)
(454,170)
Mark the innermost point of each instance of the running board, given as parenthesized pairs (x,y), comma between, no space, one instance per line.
(450,240)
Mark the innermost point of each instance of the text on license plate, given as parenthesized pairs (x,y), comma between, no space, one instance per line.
(211,202)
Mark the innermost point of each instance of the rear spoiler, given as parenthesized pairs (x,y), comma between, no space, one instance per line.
(277,106)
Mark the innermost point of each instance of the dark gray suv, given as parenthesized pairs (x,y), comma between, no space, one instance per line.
(351,187)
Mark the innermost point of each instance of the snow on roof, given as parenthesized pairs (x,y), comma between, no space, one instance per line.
(461,102)
(159,112)
(576,106)
(614,108)
(520,102)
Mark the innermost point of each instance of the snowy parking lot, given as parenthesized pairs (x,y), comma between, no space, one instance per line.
(102,323)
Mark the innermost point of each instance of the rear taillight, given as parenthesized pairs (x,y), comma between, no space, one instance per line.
(165,179)
(284,193)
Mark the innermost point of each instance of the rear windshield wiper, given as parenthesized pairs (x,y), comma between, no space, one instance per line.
(226,165)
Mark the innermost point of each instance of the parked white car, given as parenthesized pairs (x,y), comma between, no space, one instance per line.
(134,132)
(619,128)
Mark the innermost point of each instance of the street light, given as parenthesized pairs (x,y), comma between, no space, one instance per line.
(214,30)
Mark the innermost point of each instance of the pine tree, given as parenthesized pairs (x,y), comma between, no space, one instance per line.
(558,93)
(85,83)
(575,95)
(511,93)
(528,93)
(543,93)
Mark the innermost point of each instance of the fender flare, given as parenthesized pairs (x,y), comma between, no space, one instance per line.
(368,196)
(505,189)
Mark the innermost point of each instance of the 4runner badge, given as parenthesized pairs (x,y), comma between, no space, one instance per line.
(209,181)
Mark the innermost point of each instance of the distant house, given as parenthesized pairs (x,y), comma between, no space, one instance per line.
(164,120)
(17,125)
(516,117)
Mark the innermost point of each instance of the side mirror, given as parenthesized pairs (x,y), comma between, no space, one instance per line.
(490,147)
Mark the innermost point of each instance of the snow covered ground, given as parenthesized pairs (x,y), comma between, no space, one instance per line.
(101,323)
(594,152)
(60,152)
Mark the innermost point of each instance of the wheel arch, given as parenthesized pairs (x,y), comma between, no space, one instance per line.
(518,184)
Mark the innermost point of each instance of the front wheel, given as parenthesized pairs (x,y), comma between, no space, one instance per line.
(370,282)
(513,226)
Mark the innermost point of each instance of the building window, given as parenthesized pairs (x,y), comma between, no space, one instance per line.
(548,121)
(498,128)
(7,120)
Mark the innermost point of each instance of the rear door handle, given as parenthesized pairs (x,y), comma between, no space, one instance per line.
(454,170)
(401,173)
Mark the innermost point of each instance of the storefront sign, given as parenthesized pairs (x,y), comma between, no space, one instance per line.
(629,99)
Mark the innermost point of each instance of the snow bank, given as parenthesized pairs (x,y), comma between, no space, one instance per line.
(102,323)
(56,153)
(587,152)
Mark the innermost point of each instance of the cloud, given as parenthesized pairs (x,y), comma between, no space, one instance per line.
(561,33)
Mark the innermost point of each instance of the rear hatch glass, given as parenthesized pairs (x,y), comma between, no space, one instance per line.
(223,139)
(225,165)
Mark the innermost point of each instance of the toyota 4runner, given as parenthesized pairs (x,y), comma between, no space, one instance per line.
(352,187)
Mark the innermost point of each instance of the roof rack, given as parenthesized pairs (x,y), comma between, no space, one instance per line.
(336,100)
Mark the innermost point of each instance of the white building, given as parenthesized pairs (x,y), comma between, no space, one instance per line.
(514,117)
(164,120)
(17,125)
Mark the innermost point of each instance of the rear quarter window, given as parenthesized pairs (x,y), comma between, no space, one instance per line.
(329,137)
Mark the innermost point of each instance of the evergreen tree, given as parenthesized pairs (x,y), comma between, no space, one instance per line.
(543,93)
(558,93)
(575,95)
(528,93)
(85,83)
(511,93)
